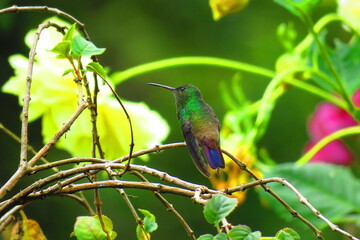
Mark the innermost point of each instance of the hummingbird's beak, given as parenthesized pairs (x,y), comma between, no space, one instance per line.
(162,86)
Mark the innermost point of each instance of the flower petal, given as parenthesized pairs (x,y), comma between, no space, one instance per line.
(334,153)
(327,119)
(356,98)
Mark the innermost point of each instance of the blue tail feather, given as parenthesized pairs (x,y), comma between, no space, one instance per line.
(214,157)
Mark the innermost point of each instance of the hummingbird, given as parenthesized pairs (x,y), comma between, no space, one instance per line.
(199,125)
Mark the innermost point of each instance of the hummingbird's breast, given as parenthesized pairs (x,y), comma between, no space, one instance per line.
(204,123)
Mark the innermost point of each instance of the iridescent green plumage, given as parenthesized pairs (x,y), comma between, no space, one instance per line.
(199,125)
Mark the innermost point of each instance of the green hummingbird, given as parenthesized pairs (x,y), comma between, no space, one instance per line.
(199,125)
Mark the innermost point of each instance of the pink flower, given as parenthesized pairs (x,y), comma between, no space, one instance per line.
(335,152)
(327,119)
(356,98)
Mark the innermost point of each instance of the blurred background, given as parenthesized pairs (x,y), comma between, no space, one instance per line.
(140,31)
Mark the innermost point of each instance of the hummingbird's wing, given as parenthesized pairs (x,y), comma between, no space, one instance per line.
(194,150)
(212,153)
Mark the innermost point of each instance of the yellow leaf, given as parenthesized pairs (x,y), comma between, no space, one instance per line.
(27,229)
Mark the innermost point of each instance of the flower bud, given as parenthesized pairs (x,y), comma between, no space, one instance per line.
(222,8)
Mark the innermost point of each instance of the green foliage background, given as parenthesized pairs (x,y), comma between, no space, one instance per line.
(139,31)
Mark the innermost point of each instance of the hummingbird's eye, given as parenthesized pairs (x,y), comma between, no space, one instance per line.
(182,89)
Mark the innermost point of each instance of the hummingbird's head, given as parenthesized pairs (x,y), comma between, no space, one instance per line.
(186,92)
(183,93)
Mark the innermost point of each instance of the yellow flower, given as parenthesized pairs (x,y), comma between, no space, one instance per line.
(54,98)
(350,10)
(222,8)
(232,175)
(233,140)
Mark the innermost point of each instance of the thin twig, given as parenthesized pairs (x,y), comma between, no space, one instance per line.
(81,200)
(73,188)
(292,211)
(25,112)
(170,208)
(58,135)
(163,176)
(125,197)
(84,172)
(4,220)
(77,160)
(301,198)
(55,11)
(30,148)
(130,124)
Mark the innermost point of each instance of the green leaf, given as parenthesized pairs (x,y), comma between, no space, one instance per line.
(242,232)
(206,237)
(219,236)
(70,33)
(82,47)
(97,68)
(287,234)
(109,226)
(218,207)
(294,6)
(140,234)
(62,48)
(89,228)
(331,189)
(150,224)
(345,58)
(66,72)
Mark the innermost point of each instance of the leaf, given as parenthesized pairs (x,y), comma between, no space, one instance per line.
(107,222)
(70,33)
(206,237)
(82,47)
(243,232)
(97,68)
(27,229)
(140,234)
(218,207)
(219,236)
(66,72)
(150,224)
(287,234)
(62,48)
(331,189)
(345,59)
(89,228)
(294,6)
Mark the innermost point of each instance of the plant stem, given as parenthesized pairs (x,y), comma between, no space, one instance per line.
(320,25)
(272,92)
(308,21)
(323,142)
(190,60)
